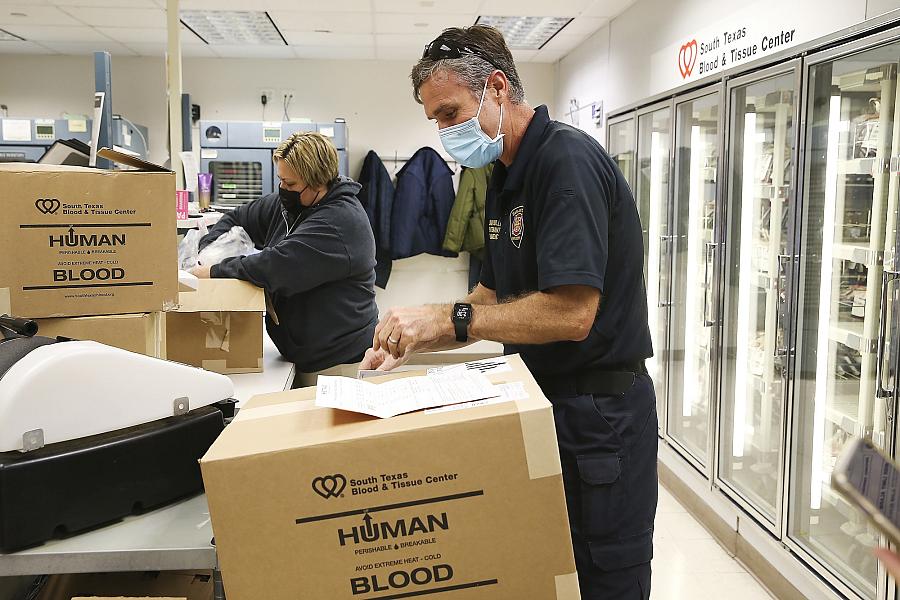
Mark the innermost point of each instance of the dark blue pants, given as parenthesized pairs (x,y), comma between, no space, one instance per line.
(608,447)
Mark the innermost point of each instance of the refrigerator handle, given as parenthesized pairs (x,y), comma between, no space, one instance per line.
(887,278)
(779,291)
(666,242)
(711,249)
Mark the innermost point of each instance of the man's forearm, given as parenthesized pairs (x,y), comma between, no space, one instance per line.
(538,318)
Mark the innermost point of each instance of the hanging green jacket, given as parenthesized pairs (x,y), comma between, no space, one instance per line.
(465,230)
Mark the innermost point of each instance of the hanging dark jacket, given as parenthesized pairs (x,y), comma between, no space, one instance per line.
(422,205)
(318,268)
(377,197)
(465,231)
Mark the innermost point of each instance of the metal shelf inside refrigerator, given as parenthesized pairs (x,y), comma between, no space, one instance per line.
(857,166)
(850,334)
(859,253)
(843,408)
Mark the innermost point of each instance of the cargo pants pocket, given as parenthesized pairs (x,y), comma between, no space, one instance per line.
(602,494)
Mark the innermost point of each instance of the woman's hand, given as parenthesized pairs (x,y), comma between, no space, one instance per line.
(201,272)
(381,360)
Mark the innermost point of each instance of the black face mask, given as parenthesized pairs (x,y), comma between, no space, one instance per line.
(291,200)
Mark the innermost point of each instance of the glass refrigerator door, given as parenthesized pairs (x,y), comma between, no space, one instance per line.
(621,147)
(652,192)
(848,222)
(751,446)
(693,329)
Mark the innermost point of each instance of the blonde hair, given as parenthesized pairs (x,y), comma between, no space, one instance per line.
(312,156)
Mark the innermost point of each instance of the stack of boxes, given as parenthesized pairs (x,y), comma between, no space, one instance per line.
(92,255)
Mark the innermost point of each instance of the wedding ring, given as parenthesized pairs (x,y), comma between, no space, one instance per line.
(393,341)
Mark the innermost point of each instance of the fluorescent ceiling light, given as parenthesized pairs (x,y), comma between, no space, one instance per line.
(233,27)
(6,36)
(526,33)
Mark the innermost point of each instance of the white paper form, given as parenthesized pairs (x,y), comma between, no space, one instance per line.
(487,366)
(16,130)
(402,395)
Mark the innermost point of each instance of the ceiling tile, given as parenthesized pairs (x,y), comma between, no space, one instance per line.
(408,55)
(254,51)
(550,56)
(34,15)
(585,26)
(534,8)
(119,17)
(292,20)
(197,50)
(339,53)
(431,24)
(409,40)
(564,41)
(524,55)
(307,6)
(427,6)
(78,48)
(23,48)
(135,35)
(607,8)
(328,40)
(57,34)
(147,48)
(106,3)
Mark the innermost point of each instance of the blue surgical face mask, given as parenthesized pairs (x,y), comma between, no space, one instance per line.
(467,142)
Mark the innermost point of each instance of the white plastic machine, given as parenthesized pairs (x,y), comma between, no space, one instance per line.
(90,433)
(239,155)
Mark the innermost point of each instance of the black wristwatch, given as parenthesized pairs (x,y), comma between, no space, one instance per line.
(462,317)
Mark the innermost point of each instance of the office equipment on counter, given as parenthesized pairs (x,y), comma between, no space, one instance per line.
(90,433)
(29,139)
(239,155)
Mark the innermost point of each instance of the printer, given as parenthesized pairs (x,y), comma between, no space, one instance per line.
(90,434)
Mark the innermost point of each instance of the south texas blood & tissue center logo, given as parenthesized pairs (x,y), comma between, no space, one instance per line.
(687,58)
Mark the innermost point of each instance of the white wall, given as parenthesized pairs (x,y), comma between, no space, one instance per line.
(374,96)
(635,56)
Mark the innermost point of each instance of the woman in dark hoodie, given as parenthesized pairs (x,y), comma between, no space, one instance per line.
(316,259)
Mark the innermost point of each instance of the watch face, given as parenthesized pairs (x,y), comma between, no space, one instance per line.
(462,313)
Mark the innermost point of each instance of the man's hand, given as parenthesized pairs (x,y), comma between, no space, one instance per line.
(201,272)
(404,331)
(381,360)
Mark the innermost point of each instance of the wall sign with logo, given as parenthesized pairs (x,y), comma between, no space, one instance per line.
(755,30)
(728,49)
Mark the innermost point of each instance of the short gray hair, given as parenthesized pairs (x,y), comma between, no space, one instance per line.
(473,69)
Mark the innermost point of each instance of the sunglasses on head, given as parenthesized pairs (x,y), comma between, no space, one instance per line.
(442,48)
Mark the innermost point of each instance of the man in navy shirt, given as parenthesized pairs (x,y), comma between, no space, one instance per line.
(562,285)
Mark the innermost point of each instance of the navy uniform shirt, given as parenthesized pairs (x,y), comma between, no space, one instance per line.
(562,214)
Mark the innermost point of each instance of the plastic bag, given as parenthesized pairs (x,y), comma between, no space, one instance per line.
(234,243)
(189,250)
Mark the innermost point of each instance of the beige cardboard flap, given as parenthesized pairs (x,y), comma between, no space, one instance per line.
(131,161)
(222,295)
(567,587)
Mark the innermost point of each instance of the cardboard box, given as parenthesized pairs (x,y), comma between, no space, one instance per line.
(310,502)
(77,241)
(164,585)
(141,333)
(218,326)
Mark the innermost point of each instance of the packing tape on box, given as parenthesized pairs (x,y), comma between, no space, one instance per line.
(539,436)
(274,410)
(5,302)
(218,330)
(567,587)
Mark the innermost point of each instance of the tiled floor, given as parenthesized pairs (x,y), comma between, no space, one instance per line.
(689,564)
